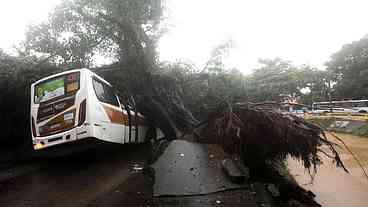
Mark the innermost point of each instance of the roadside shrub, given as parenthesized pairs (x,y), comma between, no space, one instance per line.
(16,76)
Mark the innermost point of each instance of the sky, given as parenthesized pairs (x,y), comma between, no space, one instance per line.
(16,15)
(302,31)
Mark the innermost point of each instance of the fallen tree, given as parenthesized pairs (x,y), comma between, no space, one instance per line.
(264,138)
(157,97)
(261,134)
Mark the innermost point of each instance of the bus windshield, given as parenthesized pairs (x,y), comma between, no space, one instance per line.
(56,87)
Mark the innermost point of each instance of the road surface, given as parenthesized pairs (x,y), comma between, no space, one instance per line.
(81,179)
(112,178)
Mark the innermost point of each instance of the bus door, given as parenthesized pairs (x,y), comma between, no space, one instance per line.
(111,124)
(131,134)
(135,127)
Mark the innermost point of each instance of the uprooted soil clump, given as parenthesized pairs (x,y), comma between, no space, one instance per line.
(264,138)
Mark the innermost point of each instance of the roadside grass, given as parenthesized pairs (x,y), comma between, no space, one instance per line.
(323,122)
(327,122)
(361,131)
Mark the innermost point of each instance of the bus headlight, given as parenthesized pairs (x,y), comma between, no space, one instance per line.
(38,146)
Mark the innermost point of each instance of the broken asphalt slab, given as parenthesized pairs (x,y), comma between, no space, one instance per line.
(188,169)
(234,172)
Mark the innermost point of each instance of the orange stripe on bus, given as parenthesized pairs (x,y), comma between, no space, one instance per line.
(115,116)
(118,117)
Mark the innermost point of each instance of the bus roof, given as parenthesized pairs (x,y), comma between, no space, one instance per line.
(57,74)
(67,72)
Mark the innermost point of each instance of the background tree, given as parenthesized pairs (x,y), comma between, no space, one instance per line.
(274,77)
(125,30)
(349,69)
(277,77)
(202,89)
(16,76)
(315,82)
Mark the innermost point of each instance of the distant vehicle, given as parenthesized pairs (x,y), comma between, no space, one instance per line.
(79,104)
(349,106)
(299,113)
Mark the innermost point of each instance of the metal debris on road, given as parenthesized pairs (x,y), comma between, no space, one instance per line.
(136,167)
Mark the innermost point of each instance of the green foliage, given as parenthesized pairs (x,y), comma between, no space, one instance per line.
(273,78)
(323,122)
(76,31)
(326,123)
(361,131)
(16,76)
(203,89)
(215,63)
(350,71)
(278,77)
(317,81)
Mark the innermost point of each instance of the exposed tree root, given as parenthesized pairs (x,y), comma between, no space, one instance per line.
(264,138)
(258,134)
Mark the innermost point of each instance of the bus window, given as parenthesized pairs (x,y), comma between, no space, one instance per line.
(105,93)
(125,103)
(55,88)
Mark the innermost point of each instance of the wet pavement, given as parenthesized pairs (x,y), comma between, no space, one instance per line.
(333,187)
(120,176)
(187,168)
(75,180)
(241,198)
(189,174)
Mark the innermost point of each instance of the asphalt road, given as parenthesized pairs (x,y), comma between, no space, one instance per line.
(114,177)
(82,179)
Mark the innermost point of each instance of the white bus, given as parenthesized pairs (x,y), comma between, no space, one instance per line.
(350,106)
(79,104)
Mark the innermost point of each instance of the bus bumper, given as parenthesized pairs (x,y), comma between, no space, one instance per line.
(74,134)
